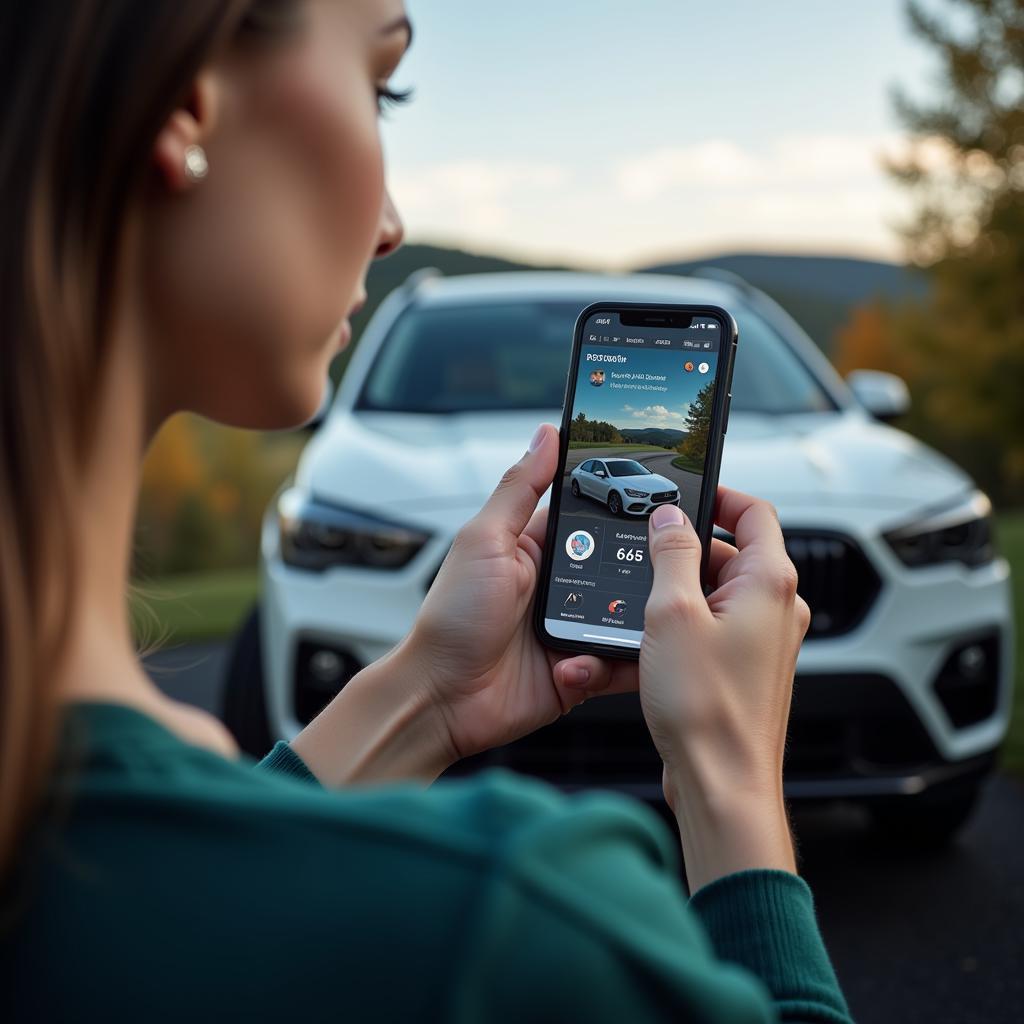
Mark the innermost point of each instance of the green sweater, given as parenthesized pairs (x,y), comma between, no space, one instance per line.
(165,883)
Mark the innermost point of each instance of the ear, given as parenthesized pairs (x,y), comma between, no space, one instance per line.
(191,124)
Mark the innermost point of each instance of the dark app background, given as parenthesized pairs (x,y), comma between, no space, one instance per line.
(635,403)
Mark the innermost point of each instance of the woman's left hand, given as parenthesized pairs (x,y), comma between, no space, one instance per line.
(473,640)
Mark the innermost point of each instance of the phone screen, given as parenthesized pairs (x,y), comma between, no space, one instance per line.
(639,433)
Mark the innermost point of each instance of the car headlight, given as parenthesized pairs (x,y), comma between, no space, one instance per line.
(316,536)
(636,494)
(962,533)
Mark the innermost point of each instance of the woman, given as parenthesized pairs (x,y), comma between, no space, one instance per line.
(192,193)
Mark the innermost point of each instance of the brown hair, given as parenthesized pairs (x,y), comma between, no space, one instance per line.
(87,86)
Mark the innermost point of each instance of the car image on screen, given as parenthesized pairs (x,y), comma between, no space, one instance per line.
(623,485)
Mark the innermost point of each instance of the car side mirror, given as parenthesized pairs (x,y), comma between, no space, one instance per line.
(601,473)
(324,408)
(884,395)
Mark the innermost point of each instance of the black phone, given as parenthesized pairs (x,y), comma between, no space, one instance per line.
(646,411)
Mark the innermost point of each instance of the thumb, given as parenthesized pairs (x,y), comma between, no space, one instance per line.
(675,558)
(515,498)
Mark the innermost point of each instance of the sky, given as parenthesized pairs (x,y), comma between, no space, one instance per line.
(659,395)
(611,134)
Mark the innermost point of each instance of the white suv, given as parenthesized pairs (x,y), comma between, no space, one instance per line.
(903,684)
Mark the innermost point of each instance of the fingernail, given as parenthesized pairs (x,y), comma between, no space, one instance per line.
(577,676)
(538,436)
(666,515)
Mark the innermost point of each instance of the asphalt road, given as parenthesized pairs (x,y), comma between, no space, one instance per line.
(916,939)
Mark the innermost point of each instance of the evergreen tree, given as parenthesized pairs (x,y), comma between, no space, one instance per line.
(967,174)
(698,425)
(593,431)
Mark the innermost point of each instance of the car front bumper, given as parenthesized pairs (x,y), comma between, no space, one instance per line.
(871,712)
(645,506)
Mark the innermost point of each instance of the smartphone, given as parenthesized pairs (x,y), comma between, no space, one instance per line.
(646,411)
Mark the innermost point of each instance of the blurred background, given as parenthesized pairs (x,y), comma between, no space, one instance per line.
(864,167)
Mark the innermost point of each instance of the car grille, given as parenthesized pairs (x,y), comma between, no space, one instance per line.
(836,580)
(664,496)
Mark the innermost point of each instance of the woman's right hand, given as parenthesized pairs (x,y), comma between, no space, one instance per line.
(716,677)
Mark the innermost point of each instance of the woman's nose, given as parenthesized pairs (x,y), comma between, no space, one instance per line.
(391,228)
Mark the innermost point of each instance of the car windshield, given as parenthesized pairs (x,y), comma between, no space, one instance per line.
(514,355)
(627,467)
(485,357)
(769,377)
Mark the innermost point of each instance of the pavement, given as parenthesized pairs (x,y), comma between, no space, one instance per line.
(923,938)
(934,938)
(193,673)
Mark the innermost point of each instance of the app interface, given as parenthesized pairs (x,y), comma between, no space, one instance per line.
(638,439)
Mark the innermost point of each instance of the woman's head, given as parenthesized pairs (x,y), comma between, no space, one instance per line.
(251,272)
(231,290)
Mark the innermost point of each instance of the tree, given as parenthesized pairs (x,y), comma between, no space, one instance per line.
(966,171)
(868,341)
(593,431)
(694,446)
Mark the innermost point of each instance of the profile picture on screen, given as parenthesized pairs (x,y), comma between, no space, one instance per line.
(597,378)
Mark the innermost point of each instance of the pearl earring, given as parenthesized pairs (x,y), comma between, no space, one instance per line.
(196,164)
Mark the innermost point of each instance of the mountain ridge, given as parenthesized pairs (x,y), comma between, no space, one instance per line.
(819,292)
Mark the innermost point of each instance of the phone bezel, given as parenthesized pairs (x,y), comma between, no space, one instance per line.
(712,460)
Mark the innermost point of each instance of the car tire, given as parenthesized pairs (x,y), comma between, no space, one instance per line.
(929,820)
(575,488)
(614,503)
(244,707)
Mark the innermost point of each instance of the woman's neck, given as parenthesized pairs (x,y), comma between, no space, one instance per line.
(99,660)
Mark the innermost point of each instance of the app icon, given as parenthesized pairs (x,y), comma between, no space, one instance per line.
(617,607)
(579,545)
(704,367)
(688,366)
(574,600)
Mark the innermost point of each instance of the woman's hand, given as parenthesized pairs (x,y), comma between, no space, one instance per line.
(471,674)
(474,639)
(716,677)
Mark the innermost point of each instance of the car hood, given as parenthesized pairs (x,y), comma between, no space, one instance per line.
(413,461)
(843,459)
(401,461)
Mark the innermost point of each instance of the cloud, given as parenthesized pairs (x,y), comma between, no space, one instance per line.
(800,193)
(716,161)
(724,165)
(658,415)
(475,193)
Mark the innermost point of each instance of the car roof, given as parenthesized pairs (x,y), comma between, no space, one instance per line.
(570,286)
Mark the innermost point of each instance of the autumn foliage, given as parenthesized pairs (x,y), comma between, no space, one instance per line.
(962,348)
(204,491)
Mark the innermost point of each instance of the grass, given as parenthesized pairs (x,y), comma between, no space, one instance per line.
(191,607)
(689,463)
(1010,535)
